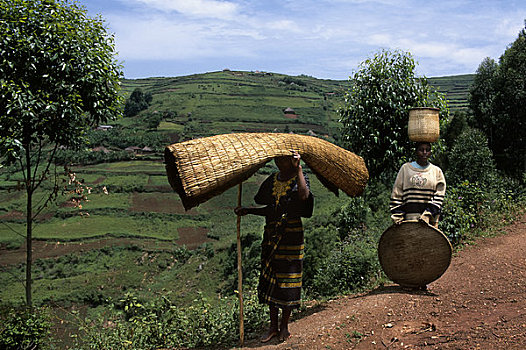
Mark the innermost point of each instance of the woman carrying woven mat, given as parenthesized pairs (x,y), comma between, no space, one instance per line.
(287,198)
(419,189)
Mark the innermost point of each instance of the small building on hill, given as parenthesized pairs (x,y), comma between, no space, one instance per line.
(101,149)
(289,110)
(133,149)
(289,113)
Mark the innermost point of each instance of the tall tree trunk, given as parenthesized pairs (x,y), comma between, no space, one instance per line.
(29,228)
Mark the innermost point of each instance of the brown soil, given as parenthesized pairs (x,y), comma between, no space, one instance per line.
(99,180)
(161,203)
(192,237)
(478,303)
(13,215)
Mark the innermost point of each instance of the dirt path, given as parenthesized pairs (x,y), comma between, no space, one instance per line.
(479,303)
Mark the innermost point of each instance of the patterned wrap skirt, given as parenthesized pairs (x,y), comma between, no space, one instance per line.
(280,280)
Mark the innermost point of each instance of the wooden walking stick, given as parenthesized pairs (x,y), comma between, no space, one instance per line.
(240,271)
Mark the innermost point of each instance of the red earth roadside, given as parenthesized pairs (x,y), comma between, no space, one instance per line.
(479,303)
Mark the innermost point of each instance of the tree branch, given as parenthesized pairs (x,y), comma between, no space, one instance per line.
(17,278)
(52,195)
(12,229)
(37,164)
(50,159)
(22,169)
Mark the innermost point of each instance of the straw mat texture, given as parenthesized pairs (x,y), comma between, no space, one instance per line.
(202,168)
(423,124)
(413,253)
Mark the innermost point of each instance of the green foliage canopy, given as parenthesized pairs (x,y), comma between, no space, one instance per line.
(376,109)
(470,159)
(138,101)
(58,73)
(58,76)
(497,98)
(482,95)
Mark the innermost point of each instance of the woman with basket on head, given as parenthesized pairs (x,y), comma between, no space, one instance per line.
(419,189)
(287,198)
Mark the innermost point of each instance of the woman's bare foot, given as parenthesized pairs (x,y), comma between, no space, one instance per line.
(269,335)
(284,334)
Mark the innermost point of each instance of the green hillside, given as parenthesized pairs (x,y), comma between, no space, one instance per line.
(456,89)
(227,101)
(236,101)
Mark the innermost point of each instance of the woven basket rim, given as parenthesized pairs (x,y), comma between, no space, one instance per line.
(424,108)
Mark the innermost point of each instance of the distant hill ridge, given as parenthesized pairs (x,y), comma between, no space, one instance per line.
(237,101)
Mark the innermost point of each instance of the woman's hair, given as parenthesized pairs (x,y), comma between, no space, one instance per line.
(419,143)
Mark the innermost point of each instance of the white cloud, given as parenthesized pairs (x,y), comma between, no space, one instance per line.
(195,8)
(167,38)
(283,25)
(508,27)
(324,38)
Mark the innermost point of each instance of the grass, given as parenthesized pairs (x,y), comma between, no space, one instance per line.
(89,278)
(132,166)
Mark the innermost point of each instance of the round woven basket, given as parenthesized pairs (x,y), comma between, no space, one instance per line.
(414,254)
(423,124)
(202,168)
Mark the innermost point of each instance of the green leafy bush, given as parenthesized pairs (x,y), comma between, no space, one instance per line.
(471,159)
(135,324)
(319,242)
(352,217)
(349,267)
(22,329)
(460,210)
(469,206)
(251,264)
(137,102)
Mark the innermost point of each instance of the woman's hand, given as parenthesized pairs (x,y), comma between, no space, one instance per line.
(241,211)
(295,162)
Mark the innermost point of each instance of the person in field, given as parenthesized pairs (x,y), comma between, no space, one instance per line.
(286,198)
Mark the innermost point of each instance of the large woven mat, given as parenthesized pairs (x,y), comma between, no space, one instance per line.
(202,168)
(414,254)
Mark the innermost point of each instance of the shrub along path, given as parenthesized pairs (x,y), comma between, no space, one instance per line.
(479,303)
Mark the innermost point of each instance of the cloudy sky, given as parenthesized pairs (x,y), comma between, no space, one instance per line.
(321,38)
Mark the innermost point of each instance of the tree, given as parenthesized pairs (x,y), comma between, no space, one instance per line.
(471,159)
(138,101)
(497,98)
(377,106)
(58,76)
(482,94)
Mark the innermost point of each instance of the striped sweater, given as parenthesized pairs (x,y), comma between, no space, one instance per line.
(418,190)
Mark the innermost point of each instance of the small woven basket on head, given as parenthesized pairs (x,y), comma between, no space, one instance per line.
(423,124)
(202,168)
(413,253)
